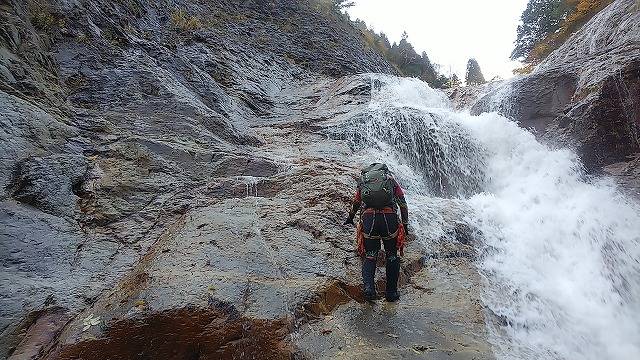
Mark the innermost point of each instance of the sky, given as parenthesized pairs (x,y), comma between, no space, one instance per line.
(450,31)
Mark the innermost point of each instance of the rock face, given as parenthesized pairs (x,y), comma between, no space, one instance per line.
(586,94)
(465,97)
(169,192)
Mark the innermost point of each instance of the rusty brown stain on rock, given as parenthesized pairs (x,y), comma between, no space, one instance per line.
(217,333)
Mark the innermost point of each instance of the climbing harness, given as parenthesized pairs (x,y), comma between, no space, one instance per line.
(399,234)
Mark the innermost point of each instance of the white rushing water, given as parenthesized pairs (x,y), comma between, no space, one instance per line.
(560,252)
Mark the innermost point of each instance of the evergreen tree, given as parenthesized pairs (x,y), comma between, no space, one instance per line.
(441,82)
(428,73)
(546,24)
(401,55)
(539,19)
(405,57)
(385,40)
(454,81)
(474,74)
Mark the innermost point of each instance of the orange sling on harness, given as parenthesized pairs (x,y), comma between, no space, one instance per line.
(360,239)
(400,234)
(401,239)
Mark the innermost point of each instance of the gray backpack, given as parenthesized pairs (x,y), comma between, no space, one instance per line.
(376,186)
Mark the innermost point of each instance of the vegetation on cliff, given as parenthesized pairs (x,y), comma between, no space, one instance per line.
(547,24)
(402,55)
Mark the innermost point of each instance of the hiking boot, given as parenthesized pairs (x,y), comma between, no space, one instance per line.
(368,278)
(393,273)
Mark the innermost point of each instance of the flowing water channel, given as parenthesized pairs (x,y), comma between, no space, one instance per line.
(559,251)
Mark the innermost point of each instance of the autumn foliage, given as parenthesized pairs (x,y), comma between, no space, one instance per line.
(547,24)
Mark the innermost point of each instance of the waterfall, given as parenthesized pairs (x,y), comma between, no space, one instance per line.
(450,162)
(559,251)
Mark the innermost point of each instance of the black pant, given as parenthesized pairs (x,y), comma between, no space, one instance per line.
(372,246)
(384,225)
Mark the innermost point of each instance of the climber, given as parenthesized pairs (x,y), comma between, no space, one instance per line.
(378,196)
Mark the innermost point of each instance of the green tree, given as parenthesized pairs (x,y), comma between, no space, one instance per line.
(547,24)
(539,19)
(409,63)
(454,81)
(441,82)
(405,57)
(474,74)
(333,6)
(428,72)
(401,55)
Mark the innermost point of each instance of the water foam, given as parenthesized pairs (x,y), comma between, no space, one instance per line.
(560,251)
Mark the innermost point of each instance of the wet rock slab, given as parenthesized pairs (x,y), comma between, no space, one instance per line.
(438,317)
(263,273)
(232,271)
(169,194)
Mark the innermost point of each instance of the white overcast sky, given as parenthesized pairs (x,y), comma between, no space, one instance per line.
(450,31)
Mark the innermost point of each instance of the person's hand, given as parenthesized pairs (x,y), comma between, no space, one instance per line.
(349,221)
(406,229)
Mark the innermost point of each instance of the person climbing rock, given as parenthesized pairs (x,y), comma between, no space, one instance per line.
(378,196)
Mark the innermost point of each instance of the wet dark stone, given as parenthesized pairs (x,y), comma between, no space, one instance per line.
(50,183)
(118,126)
(535,101)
